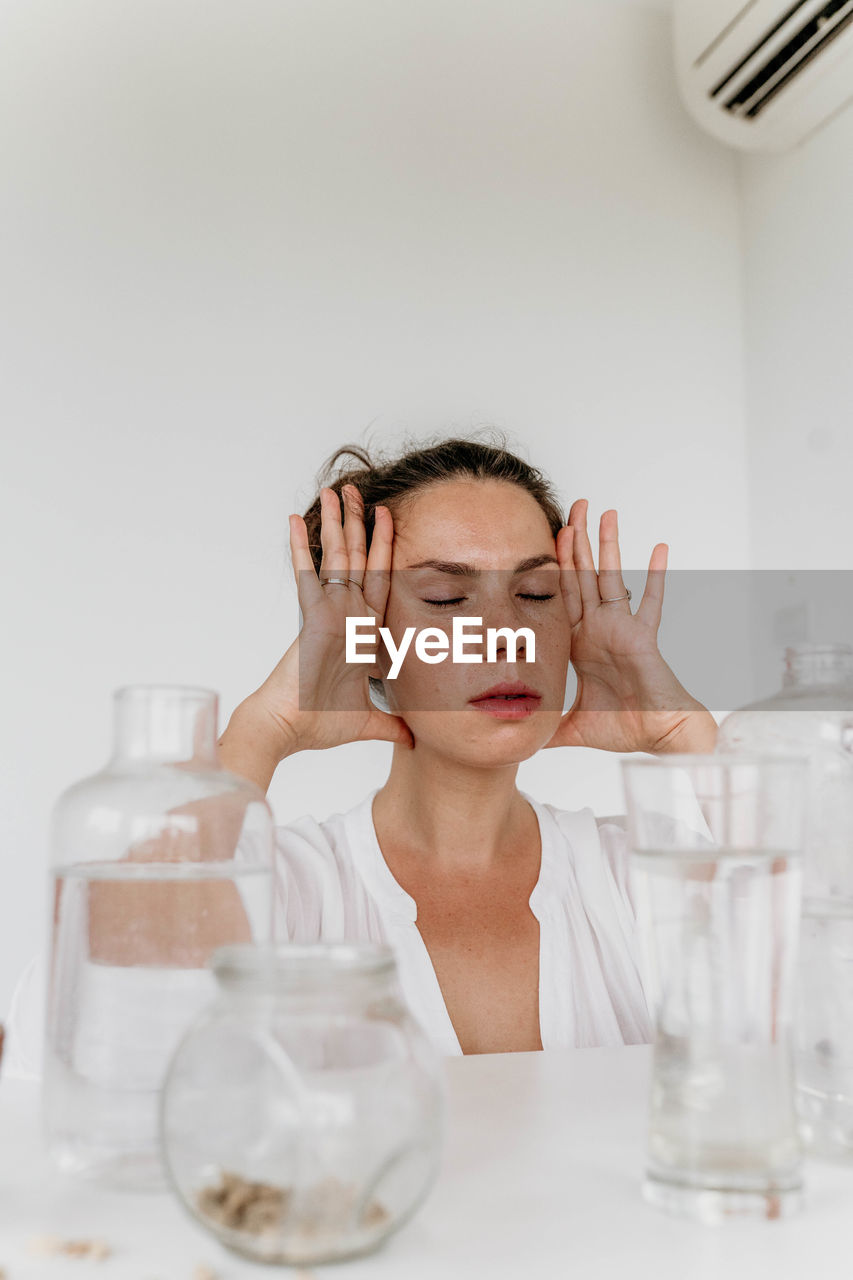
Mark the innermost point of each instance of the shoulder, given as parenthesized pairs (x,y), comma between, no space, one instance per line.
(586,832)
(318,847)
(308,849)
(317,873)
(597,850)
(306,838)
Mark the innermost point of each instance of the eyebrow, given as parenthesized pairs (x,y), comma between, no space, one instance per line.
(470,571)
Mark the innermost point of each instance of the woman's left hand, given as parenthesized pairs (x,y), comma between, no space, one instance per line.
(627,697)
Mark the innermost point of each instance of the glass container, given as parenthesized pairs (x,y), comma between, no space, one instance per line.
(302,1116)
(813,713)
(157,860)
(716,859)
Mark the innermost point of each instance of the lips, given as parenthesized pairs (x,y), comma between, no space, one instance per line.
(509,701)
(509,689)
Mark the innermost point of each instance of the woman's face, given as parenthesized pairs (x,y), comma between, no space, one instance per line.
(500,539)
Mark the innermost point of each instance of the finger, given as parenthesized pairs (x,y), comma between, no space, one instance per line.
(388,728)
(569,584)
(308,587)
(652,601)
(335,561)
(377,577)
(354,534)
(610,581)
(584,563)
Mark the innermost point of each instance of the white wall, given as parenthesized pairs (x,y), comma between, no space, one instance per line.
(797,210)
(798,254)
(234,237)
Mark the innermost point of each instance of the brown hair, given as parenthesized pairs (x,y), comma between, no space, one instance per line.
(389,482)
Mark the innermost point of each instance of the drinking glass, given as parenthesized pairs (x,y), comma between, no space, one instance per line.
(717,845)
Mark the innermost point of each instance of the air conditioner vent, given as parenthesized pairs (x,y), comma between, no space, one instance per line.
(766,73)
(777,71)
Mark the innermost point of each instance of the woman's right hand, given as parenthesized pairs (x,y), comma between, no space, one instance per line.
(314,698)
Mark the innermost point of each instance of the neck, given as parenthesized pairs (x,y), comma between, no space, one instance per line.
(452,814)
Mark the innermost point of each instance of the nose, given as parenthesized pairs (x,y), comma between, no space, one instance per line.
(499,608)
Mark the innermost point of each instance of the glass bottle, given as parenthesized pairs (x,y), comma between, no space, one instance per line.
(157,860)
(813,713)
(302,1115)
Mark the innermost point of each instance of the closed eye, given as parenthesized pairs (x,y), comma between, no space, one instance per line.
(445,604)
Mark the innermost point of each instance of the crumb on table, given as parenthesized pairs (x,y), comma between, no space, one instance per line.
(203,1272)
(49,1246)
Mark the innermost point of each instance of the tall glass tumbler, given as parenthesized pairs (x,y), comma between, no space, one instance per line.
(717,846)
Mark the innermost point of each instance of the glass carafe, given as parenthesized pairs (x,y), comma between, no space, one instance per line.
(813,714)
(157,860)
(302,1115)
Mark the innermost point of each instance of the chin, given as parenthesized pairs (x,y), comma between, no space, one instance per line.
(500,756)
(500,743)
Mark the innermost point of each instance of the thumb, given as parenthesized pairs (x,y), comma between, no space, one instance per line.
(389,728)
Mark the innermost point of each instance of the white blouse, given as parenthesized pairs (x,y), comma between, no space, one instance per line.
(333,884)
(336,885)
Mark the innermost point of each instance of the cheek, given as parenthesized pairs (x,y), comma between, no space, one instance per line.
(553,640)
(426,685)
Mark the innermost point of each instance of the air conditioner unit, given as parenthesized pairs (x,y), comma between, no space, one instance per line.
(764,75)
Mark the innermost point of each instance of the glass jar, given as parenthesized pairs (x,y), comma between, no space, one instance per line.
(157,860)
(302,1115)
(813,713)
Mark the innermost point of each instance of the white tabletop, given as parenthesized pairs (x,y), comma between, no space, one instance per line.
(541,1179)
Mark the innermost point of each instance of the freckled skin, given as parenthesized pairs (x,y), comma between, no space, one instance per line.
(492,525)
(453,828)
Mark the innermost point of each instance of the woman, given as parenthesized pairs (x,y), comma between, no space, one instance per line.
(512,920)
